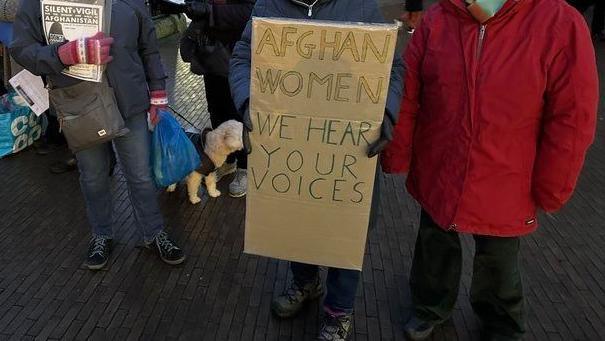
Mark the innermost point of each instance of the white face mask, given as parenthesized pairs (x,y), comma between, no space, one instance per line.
(491,7)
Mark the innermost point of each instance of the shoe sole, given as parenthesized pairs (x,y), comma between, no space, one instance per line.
(292,314)
(237,195)
(422,337)
(174,262)
(96,267)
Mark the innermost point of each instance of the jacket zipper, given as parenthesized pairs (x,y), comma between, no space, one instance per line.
(310,7)
(482,29)
(480,43)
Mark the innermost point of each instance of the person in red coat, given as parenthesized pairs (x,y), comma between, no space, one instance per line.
(498,112)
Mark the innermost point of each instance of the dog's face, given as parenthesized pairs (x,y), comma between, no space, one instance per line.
(225,139)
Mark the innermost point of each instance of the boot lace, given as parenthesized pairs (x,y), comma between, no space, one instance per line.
(97,246)
(335,328)
(164,243)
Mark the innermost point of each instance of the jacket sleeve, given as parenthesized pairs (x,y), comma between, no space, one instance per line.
(396,81)
(232,15)
(149,51)
(29,47)
(240,64)
(569,119)
(397,156)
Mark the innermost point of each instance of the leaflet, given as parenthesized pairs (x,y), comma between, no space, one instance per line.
(71,20)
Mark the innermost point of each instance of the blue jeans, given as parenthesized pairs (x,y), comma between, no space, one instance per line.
(341,283)
(133,152)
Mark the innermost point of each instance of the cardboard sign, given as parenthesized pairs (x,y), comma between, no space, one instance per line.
(318,95)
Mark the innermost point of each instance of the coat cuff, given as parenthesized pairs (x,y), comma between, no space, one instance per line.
(156,85)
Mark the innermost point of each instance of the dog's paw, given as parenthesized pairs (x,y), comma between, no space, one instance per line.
(195,200)
(214,194)
(171,188)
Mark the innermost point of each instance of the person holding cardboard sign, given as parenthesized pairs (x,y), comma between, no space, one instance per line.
(329,176)
(498,112)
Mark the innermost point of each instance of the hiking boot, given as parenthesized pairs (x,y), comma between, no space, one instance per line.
(168,251)
(237,187)
(336,327)
(291,301)
(225,169)
(417,329)
(99,249)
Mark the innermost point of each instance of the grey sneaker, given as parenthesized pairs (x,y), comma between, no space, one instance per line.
(291,301)
(336,328)
(225,169)
(237,187)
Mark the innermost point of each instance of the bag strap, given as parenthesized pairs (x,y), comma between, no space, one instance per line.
(183,117)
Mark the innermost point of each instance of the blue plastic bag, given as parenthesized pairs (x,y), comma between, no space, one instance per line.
(19,126)
(173,156)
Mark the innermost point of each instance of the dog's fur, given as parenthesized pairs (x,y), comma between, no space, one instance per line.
(218,144)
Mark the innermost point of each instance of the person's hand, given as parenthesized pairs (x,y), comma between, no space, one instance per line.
(247,122)
(197,10)
(386,135)
(158,100)
(411,20)
(91,50)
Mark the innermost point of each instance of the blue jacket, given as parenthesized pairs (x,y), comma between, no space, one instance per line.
(335,10)
(135,69)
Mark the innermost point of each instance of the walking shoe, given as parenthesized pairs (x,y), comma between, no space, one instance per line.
(336,327)
(64,166)
(168,251)
(417,329)
(237,187)
(225,169)
(291,301)
(99,249)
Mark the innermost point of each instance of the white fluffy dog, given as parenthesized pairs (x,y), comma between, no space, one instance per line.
(214,146)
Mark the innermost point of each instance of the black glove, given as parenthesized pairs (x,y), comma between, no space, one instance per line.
(197,10)
(247,129)
(386,136)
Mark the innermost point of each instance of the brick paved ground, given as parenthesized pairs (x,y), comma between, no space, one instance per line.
(220,293)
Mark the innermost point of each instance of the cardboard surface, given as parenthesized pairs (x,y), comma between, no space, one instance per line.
(318,94)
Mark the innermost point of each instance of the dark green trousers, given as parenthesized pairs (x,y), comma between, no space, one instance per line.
(496,292)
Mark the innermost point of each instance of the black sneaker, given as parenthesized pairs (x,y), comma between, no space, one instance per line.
(294,298)
(98,253)
(168,251)
(336,327)
(417,329)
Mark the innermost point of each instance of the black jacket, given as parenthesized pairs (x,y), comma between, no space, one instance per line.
(221,22)
(135,69)
(413,5)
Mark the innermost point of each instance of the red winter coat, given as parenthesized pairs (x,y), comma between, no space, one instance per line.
(496,119)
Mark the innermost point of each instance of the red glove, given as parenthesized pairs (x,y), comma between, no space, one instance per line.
(159,100)
(92,50)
